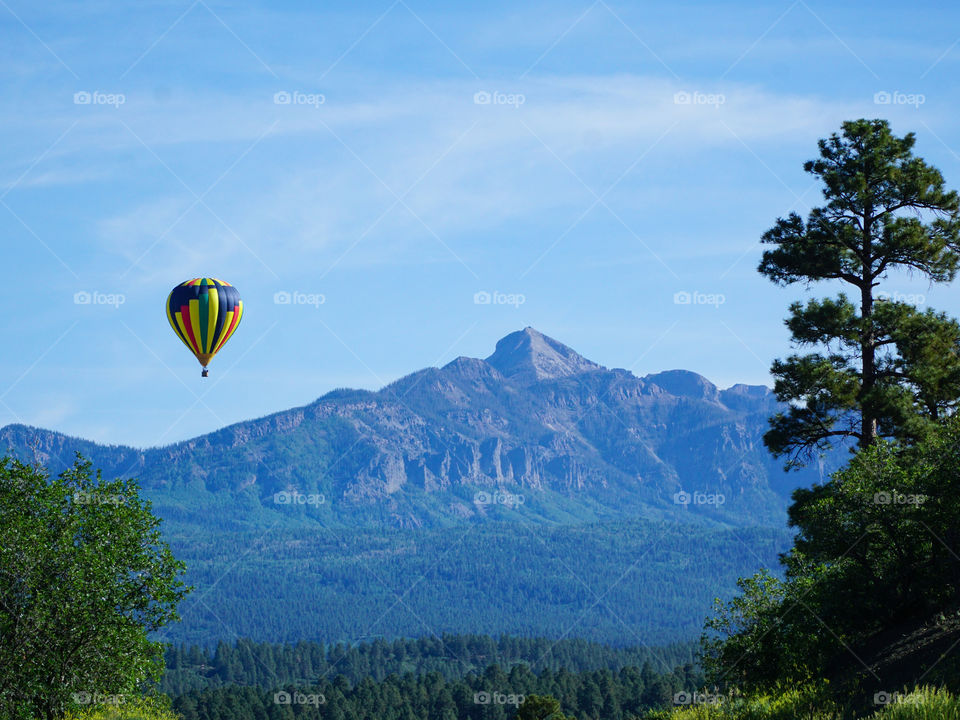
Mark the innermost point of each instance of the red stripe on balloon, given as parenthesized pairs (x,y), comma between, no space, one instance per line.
(233,324)
(185,314)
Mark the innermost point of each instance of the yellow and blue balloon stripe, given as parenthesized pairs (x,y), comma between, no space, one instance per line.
(204,313)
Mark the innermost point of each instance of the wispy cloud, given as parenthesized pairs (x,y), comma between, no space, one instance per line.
(478,165)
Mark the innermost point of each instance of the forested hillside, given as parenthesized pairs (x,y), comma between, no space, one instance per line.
(494,694)
(270,665)
(648,582)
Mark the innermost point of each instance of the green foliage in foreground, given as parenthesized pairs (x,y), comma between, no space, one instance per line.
(539,707)
(84,577)
(925,703)
(876,562)
(139,708)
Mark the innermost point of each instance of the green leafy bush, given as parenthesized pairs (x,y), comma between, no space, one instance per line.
(141,708)
(808,703)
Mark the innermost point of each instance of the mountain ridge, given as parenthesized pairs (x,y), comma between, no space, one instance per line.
(460,364)
(535,418)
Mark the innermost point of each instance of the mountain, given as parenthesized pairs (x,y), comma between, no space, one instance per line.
(528,356)
(534,492)
(536,422)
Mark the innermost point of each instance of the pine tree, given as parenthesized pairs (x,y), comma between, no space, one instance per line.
(888,370)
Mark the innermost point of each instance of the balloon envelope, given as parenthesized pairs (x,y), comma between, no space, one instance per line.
(204,313)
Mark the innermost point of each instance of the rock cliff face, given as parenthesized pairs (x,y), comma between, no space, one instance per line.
(575,439)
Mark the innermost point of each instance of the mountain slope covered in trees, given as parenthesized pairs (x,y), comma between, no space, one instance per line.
(504,495)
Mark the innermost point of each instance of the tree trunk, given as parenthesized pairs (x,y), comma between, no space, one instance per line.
(868,419)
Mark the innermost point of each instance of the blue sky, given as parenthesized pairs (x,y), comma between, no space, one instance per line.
(542,153)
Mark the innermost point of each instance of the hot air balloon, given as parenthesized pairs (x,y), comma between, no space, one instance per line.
(204,313)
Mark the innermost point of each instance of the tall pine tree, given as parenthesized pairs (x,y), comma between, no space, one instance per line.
(884,369)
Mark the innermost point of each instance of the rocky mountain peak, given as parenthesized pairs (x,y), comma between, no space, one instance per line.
(529,356)
(684,383)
